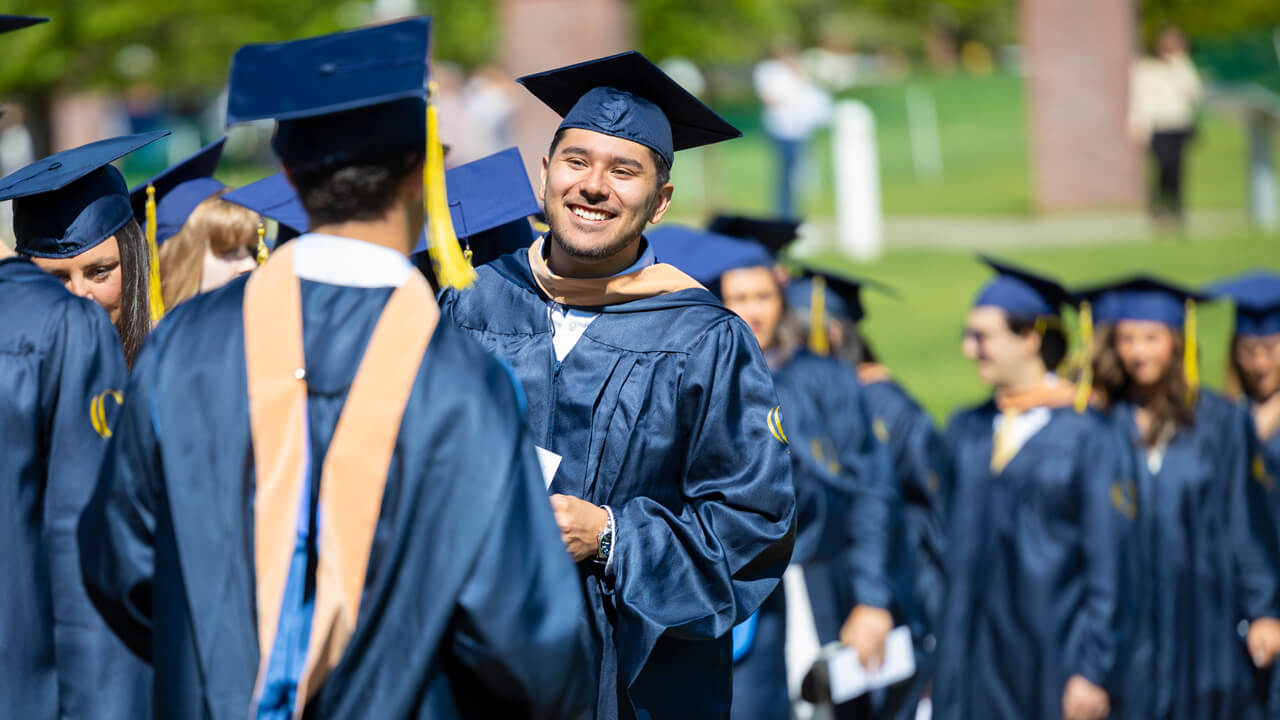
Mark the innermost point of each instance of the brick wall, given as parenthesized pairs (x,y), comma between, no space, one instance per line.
(1078,54)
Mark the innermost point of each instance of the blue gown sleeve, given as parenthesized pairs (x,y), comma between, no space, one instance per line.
(1253,530)
(86,374)
(1111,563)
(877,500)
(698,569)
(520,616)
(117,528)
(923,458)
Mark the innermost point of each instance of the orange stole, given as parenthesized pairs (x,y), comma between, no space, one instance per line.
(355,469)
(657,279)
(871,373)
(1011,405)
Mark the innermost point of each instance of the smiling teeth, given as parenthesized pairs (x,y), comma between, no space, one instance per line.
(589,215)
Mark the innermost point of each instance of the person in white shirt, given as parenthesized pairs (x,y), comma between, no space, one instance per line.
(794,108)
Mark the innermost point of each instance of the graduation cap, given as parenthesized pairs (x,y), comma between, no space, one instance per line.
(842,296)
(704,255)
(273,197)
(491,200)
(1142,297)
(350,98)
(1022,293)
(773,234)
(179,189)
(1147,298)
(1257,299)
(9,23)
(628,97)
(339,99)
(73,200)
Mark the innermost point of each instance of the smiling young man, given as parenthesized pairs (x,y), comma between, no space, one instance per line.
(650,400)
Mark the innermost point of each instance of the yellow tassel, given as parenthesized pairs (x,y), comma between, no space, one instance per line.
(1191,355)
(1085,387)
(262,244)
(818,342)
(153,259)
(450,265)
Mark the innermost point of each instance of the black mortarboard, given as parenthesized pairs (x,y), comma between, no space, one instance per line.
(773,233)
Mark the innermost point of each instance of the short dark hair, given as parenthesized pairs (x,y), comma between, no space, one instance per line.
(664,167)
(134,323)
(353,193)
(1053,341)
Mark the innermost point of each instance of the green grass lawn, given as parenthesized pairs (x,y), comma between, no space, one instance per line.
(982,125)
(918,336)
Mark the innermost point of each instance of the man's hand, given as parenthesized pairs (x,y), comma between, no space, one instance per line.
(865,631)
(1082,700)
(580,525)
(1263,641)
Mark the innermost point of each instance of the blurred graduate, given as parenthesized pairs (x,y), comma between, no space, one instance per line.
(321,501)
(1210,562)
(62,374)
(203,241)
(846,503)
(1040,530)
(828,306)
(653,402)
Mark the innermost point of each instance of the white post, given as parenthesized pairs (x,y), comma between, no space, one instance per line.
(859,218)
(922,124)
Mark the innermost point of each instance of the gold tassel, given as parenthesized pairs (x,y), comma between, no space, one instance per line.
(1191,354)
(262,243)
(450,265)
(153,259)
(818,342)
(1085,387)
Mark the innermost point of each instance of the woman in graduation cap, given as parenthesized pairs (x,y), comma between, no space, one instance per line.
(1254,363)
(1253,378)
(72,217)
(847,506)
(827,307)
(1210,566)
(203,240)
(1040,526)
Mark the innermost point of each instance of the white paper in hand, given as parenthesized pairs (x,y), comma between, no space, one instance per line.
(849,679)
(549,462)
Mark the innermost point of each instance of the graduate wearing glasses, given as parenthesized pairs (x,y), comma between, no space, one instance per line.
(1042,508)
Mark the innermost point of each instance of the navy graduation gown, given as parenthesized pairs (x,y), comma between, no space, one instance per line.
(60,361)
(1270,454)
(663,412)
(1038,559)
(469,607)
(1209,562)
(847,508)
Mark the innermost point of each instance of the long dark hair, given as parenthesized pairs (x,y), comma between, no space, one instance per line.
(1167,403)
(135,300)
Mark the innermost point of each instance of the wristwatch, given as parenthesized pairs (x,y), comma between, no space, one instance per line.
(605,539)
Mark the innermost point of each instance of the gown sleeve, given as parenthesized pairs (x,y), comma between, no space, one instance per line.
(1111,564)
(698,569)
(877,500)
(118,527)
(86,373)
(520,616)
(1253,532)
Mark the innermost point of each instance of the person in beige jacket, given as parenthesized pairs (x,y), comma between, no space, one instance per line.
(1164,93)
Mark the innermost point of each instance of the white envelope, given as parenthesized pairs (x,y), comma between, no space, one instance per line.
(849,678)
(549,462)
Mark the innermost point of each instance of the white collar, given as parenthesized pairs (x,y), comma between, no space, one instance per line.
(351,263)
